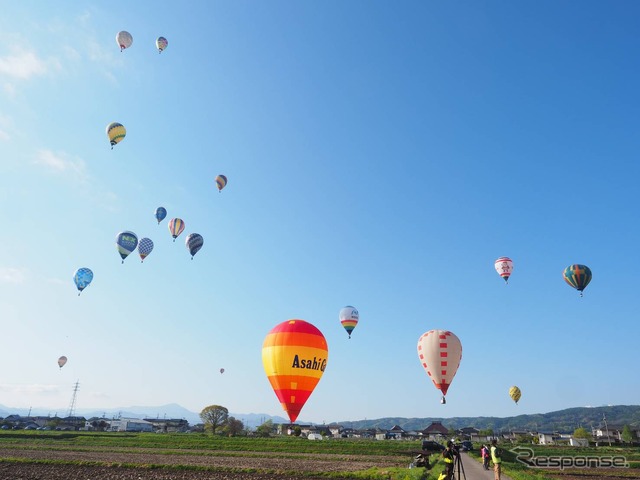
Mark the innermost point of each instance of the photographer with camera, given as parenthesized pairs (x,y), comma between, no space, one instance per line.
(449,455)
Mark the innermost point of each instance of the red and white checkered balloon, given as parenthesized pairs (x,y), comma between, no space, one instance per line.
(440,353)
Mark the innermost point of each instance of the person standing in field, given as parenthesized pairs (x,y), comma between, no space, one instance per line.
(484,451)
(496,458)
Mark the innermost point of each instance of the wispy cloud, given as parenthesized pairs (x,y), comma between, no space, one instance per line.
(60,162)
(74,169)
(34,388)
(23,64)
(13,275)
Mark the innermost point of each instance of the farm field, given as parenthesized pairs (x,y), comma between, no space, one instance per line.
(111,456)
(143,456)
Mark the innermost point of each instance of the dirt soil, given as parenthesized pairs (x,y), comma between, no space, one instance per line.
(143,465)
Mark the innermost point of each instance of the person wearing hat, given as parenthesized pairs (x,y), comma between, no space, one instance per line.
(496,458)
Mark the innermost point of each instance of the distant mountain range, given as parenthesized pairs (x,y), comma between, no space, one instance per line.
(563,421)
(560,421)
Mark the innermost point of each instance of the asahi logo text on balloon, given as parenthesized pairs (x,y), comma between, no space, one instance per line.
(314,364)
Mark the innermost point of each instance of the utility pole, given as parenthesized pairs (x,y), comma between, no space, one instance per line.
(72,404)
(604,419)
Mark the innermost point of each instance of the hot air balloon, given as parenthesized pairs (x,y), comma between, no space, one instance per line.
(294,357)
(194,242)
(176,227)
(515,394)
(161,44)
(126,242)
(145,247)
(504,267)
(82,278)
(124,40)
(440,353)
(161,214)
(116,132)
(221,182)
(349,317)
(62,361)
(578,276)
(221,371)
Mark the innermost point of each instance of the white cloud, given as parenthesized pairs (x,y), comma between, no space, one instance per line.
(22,65)
(61,163)
(34,388)
(12,275)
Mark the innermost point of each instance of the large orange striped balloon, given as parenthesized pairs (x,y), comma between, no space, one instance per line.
(294,356)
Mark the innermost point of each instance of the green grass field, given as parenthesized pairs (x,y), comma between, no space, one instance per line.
(395,456)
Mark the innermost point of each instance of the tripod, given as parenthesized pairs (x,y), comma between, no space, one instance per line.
(458,467)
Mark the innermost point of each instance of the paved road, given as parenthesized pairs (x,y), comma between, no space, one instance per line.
(473,469)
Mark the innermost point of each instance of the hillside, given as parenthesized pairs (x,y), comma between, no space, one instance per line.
(560,421)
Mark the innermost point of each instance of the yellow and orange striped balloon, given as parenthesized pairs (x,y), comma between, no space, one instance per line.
(294,357)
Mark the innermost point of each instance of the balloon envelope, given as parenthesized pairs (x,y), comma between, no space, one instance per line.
(126,242)
(504,267)
(222,370)
(515,394)
(161,214)
(62,361)
(116,132)
(578,276)
(82,278)
(124,39)
(294,357)
(440,353)
(161,44)
(349,317)
(176,227)
(221,182)
(194,242)
(145,247)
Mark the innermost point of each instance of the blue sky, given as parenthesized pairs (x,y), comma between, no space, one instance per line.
(379,154)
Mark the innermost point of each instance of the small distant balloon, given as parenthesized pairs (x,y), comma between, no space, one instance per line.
(194,242)
(349,317)
(161,44)
(176,227)
(221,182)
(161,214)
(504,267)
(577,276)
(221,370)
(82,278)
(116,132)
(145,247)
(62,361)
(124,39)
(515,394)
(126,243)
